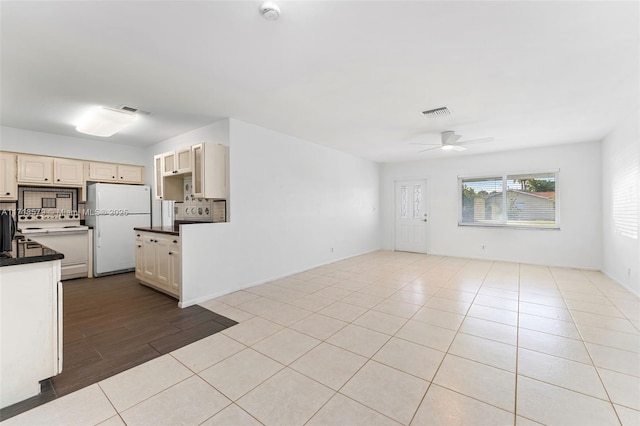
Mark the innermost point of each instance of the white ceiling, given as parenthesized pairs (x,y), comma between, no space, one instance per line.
(354,76)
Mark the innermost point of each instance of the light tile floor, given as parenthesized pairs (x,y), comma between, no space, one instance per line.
(392,338)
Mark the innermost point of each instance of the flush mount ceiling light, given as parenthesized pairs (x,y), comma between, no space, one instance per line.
(270,10)
(105,122)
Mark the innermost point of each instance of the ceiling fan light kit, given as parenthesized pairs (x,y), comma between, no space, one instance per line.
(449,142)
(457,148)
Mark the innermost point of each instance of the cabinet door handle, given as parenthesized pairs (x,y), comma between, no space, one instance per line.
(46,179)
(139,246)
(170,253)
(8,193)
(57,180)
(175,242)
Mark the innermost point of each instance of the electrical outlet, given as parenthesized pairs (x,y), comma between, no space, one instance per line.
(331,249)
(482,246)
(629,272)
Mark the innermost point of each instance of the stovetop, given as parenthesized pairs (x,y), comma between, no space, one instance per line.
(39,226)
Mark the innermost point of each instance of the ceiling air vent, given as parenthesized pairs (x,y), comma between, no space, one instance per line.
(437,112)
(133,109)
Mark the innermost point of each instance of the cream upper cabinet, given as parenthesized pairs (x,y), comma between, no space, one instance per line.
(168,161)
(102,171)
(35,169)
(209,170)
(8,183)
(157,177)
(111,172)
(168,186)
(205,163)
(67,172)
(176,162)
(130,174)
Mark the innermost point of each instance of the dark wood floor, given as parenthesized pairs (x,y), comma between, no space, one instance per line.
(114,323)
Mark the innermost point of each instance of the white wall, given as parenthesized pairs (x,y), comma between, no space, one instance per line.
(30,142)
(293,201)
(620,158)
(577,244)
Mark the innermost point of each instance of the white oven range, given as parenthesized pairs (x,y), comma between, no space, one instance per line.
(65,236)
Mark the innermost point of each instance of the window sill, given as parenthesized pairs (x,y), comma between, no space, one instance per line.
(502,225)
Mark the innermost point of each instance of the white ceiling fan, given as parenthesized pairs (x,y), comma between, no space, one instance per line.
(449,142)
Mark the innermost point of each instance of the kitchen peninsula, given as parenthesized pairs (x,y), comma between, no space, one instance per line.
(31,319)
(158,263)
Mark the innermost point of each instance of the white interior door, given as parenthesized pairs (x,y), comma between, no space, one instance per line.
(411,216)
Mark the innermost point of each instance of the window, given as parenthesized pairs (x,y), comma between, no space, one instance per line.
(520,200)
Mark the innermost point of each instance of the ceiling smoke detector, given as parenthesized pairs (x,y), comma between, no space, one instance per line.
(270,10)
(437,112)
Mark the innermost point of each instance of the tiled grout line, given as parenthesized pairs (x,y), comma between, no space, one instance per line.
(604,387)
(435,308)
(111,403)
(150,396)
(373,308)
(391,314)
(515,399)
(619,310)
(435,374)
(366,362)
(592,360)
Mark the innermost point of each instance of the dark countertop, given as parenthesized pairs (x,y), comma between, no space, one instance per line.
(24,251)
(169,230)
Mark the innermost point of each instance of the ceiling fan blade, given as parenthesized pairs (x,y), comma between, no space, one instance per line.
(472,141)
(422,143)
(429,149)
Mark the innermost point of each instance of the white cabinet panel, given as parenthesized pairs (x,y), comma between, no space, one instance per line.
(8,183)
(30,314)
(130,174)
(68,172)
(210,174)
(35,169)
(158,261)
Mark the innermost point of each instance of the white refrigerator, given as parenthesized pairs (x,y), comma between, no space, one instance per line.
(113,211)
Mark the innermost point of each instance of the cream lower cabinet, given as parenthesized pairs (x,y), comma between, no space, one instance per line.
(158,261)
(175,269)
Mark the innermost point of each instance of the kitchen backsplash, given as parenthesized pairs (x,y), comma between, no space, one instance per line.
(49,199)
(199,209)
